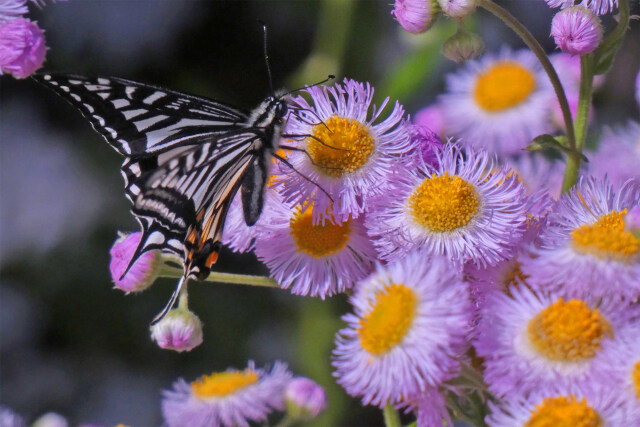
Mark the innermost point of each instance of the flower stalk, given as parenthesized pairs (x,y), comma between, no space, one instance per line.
(539,52)
(391,416)
(235,279)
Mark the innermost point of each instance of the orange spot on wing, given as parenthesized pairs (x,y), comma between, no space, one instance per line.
(212,259)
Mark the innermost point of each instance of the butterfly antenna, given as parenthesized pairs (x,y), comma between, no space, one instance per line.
(266,57)
(172,301)
(329,77)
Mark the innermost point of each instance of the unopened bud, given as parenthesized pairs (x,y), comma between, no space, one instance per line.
(463,45)
(457,8)
(305,399)
(142,273)
(576,30)
(416,16)
(179,330)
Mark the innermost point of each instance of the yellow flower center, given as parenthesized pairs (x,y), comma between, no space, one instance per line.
(564,411)
(220,384)
(504,85)
(386,325)
(568,331)
(444,203)
(340,146)
(318,240)
(635,378)
(607,238)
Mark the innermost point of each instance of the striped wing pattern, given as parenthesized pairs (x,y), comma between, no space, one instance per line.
(139,119)
(185,159)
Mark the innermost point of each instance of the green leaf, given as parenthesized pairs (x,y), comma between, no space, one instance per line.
(546,141)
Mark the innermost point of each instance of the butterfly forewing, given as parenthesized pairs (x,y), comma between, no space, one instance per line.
(139,119)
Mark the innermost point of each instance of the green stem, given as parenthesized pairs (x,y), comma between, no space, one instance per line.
(183,303)
(539,52)
(236,279)
(582,115)
(621,28)
(391,416)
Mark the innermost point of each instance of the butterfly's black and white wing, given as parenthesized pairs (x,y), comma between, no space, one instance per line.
(182,202)
(185,158)
(140,120)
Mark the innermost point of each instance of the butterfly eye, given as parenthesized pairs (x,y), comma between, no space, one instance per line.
(281,109)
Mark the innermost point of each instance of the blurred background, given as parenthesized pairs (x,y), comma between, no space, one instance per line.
(70,343)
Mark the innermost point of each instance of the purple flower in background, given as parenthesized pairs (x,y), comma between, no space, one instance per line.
(11,9)
(22,47)
(599,7)
(576,30)
(618,154)
(415,16)
(499,102)
(231,398)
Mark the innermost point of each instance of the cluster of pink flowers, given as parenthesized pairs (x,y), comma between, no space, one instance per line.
(22,44)
(451,250)
(469,273)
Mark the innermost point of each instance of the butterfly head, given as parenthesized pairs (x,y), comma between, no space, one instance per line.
(272,111)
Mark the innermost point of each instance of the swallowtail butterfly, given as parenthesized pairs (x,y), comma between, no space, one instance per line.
(186,157)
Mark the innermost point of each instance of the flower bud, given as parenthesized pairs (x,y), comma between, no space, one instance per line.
(142,273)
(576,30)
(462,45)
(22,48)
(305,399)
(50,419)
(179,330)
(457,8)
(427,144)
(415,16)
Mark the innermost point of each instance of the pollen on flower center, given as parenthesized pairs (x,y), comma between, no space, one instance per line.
(340,145)
(607,238)
(444,203)
(564,411)
(568,331)
(504,85)
(221,384)
(386,325)
(318,240)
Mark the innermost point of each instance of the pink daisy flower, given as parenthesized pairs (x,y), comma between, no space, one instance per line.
(406,332)
(350,149)
(231,398)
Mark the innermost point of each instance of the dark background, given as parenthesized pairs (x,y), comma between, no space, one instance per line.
(69,343)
